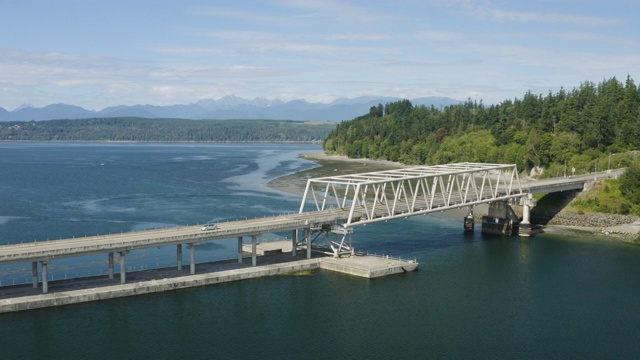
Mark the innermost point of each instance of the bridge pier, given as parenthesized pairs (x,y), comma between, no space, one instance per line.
(501,219)
(45,275)
(179,256)
(309,243)
(34,274)
(239,249)
(294,242)
(525,228)
(192,257)
(123,268)
(110,266)
(468,220)
(254,246)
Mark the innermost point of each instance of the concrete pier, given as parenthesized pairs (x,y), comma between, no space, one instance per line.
(266,248)
(179,256)
(123,267)
(45,277)
(526,228)
(192,257)
(501,219)
(73,291)
(110,265)
(34,274)
(294,242)
(469,221)
(254,244)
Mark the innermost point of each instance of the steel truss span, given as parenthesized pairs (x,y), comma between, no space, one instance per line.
(391,194)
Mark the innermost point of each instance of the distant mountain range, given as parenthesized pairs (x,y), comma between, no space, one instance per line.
(228,107)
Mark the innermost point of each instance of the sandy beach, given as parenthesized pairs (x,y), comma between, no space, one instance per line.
(329,165)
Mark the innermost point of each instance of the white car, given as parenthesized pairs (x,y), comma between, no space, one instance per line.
(209,226)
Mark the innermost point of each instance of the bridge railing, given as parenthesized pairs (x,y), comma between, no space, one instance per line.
(390,257)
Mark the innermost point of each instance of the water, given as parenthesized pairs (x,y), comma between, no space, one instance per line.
(473,297)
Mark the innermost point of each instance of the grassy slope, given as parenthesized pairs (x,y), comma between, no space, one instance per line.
(603,197)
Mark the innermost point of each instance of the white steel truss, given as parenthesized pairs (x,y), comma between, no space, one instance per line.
(337,237)
(385,195)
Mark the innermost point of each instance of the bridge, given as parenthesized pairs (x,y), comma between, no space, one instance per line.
(330,208)
(566,183)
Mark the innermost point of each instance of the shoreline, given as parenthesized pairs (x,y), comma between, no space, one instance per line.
(625,230)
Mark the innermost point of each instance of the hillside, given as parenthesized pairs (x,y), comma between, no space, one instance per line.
(140,129)
(594,126)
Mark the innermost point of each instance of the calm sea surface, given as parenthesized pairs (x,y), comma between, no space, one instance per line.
(548,297)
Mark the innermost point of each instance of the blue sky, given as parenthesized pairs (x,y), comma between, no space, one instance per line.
(103,53)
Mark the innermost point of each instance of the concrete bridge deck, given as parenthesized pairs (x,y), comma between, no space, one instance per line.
(565,183)
(100,244)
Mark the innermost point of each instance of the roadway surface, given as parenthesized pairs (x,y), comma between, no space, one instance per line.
(53,249)
(565,183)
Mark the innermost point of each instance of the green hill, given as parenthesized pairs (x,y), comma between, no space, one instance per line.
(141,129)
(590,127)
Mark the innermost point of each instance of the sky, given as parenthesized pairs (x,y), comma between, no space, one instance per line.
(101,53)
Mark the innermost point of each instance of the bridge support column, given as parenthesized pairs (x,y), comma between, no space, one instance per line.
(308,243)
(468,220)
(254,245)
(179,255)
(111,266)
(45,275)
(123,268)
(525,228)
(501,220)
(239,249)
(294,242)
(192,254)
(34,274)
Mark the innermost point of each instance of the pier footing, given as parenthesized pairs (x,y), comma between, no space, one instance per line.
(527,230)
(501,219)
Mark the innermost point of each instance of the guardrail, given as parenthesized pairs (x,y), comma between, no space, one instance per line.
(160,237)
(383,256)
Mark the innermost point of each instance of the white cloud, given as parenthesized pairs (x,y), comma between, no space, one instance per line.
(242,15)
(591,38)
(547,17)
(341,11)
(444,36)
(183,50)
(322,50)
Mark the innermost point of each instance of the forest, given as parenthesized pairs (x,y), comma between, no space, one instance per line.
(592,127)
(170,130)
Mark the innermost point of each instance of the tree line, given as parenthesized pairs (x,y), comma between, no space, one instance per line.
(593,126)
(142,129)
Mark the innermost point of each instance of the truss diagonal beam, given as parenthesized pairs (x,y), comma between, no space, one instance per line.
(384,195)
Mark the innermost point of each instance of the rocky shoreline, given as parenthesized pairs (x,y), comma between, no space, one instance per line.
(624,227)
(621,227)
(589,220)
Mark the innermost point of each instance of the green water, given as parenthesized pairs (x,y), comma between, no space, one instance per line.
(548,297)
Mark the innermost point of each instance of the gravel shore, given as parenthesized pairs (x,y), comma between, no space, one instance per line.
(623,227)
